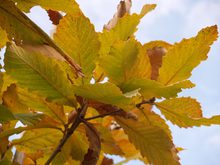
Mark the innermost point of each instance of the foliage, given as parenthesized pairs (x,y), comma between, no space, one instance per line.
(84,94)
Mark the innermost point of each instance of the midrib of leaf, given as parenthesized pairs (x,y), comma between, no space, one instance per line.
(44,36)
(44,77)
(178,70)
(172,113)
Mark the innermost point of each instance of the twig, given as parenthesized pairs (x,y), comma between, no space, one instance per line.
(69,132)
(151,101)
(103,115)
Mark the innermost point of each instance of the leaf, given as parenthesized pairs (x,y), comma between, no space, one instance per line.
(75,148)
(122,9)
(22,30)
(109,145)
(150,118)
(39,74)
(65,6)
(107,161)
(76,35)
(124,29)
(149,88)
(38,140)
(54,16)
(94,150)
(106,93)
(155,51)
(41,105)
(149,140)
(11,100)
(186,55)
(185,112)
(126,60)
(5,114)
(18,26)
(4,38)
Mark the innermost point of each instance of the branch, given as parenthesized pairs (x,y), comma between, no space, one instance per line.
(80,115)
(151,101)
(103,115)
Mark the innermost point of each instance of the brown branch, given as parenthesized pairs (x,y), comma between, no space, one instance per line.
(103,115)
(80,115)
(151,101)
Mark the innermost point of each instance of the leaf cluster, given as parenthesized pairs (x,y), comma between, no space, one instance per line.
(81,95)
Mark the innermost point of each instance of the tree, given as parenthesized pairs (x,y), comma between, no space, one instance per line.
(83,95)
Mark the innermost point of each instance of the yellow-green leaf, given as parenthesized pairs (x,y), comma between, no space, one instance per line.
(185,112)
(65,6)
(106,93)
(5,114)
(126,60)
(124,29)
(39,74)
(19,28)
(76,35)
(150,88)
(3,38)
(152,141)
(41,105)
(183,57)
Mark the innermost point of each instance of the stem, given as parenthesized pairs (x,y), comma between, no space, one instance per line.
(69,132)
(151,101)
(103,115)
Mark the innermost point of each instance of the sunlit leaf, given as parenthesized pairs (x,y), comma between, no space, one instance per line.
(185,112)
(149,140)
(39,74)
(183,57)
(126,60)
(76,35)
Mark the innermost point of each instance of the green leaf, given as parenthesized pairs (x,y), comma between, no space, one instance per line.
(76,35)
(5,114)
(185,112)
(126,60)
(40,74)
(152,141)
(150,88)
(106,93)
(183,57)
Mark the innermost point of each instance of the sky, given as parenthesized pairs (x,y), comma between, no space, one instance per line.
(172,21)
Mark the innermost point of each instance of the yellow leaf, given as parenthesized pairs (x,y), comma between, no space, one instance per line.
(39,104)
(152,141)
(76,35)
(3,38)
(185,112)
(65,6)
(183,57)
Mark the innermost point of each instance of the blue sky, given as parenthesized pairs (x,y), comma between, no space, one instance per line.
(171,21)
